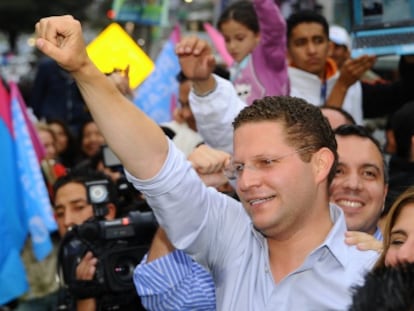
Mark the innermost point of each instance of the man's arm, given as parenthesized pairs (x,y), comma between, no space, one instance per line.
(209,164)
(118,119)
(160,246)
(169,275)
(350,73)
(197,63)
(214,101)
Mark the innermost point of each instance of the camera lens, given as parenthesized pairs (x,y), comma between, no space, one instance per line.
(124,268)
(98,194)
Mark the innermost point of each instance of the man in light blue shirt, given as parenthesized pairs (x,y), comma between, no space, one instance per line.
(240,262)
(359,185)
(285,249)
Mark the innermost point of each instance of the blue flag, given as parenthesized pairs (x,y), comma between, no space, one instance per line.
(154,95)
(13,227)
(36,202)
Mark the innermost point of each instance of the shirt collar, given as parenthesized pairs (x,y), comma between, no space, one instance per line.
(330,69)
(334,242)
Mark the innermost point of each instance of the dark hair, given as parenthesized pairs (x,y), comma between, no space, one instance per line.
(71,154)
(304,124)
(242,12)
(81,135)
(85,122)
(360,131)
(403,126)
(386,289)
(348,117)
(306,16)
(82,176)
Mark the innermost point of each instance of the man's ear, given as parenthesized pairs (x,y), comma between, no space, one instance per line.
(111,211)
(323,160)
(331,47)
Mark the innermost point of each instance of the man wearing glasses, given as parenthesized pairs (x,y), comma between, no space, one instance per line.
(284,249)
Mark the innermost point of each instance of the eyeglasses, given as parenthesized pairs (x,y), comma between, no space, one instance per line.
(234,170)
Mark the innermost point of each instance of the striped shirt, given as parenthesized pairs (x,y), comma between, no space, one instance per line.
(174,282)
(378,234)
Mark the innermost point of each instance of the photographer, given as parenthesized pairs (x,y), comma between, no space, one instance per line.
(78,263)
(128,198)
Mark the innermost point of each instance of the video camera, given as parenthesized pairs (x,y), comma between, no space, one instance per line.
(118,244)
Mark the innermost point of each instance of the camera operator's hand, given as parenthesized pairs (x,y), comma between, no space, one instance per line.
(85,271)
(87,267)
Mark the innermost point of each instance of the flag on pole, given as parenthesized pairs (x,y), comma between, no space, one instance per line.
(37,144)
(35,198)
(154,95)
(13,228)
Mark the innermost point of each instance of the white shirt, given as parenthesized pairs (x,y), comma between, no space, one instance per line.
(308,86)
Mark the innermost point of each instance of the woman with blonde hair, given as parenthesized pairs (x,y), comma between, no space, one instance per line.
(399,232)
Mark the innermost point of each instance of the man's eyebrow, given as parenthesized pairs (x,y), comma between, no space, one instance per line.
(70,202)
(372,165)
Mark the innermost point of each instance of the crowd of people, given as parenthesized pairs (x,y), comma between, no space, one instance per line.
(268,190)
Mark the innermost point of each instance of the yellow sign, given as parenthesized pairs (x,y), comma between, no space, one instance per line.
(113,49)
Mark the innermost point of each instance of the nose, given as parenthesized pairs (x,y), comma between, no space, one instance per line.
(69,221)
(406,252)
(311,48)
(353,181)
(248,178)
(230,45)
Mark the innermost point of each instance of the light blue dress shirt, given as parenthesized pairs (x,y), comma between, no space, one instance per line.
(215,230)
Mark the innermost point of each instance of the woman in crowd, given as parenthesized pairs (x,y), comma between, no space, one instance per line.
(399,232)
(66,146)
(51,167)
(390,285)
(91,139)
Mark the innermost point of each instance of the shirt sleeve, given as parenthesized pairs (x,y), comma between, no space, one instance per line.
(174,282)
(215,114)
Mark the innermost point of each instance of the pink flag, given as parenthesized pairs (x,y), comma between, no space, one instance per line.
(175,35)
(219,44)
(5,113)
